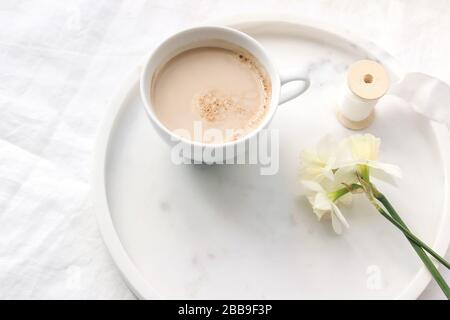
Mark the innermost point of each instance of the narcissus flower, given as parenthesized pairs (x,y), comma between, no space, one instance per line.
(323,204)
(364,150)
(318,163)
(331,171)
(330,179)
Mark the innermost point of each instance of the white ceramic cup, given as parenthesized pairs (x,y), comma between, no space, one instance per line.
(215,36)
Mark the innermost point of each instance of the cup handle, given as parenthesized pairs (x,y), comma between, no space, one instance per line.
(427,95)
(292,94)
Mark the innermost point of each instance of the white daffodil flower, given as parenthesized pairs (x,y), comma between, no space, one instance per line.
(323,204)
(364,150)
(330,180)
(364,147)
(318,163)
(329,173)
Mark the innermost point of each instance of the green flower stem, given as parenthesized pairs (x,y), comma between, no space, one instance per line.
(343,191)
(414,238)
(422,255)
(363,171)
(353,187)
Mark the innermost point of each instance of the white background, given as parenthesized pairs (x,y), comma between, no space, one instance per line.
(60,63)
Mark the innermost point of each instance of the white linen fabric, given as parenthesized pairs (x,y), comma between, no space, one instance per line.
(61,62)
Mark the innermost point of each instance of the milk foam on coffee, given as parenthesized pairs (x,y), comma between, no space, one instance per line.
(226,91)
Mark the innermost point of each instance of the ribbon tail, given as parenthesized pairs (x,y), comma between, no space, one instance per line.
(429,96)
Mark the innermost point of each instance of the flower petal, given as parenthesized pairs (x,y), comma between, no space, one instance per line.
(322,202)
(326,147)
(337,227)
(346,174)
(390,169)
(312,185)
(338,220)
(346,199)
(339,215)
(327,171)
(364,147)
(318,163)
(379,170)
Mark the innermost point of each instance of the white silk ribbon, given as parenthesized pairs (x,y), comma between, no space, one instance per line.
(428,96)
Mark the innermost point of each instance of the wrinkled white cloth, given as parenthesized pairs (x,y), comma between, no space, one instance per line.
(60,63)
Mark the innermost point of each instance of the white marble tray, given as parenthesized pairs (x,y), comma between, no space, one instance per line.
(227,232)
